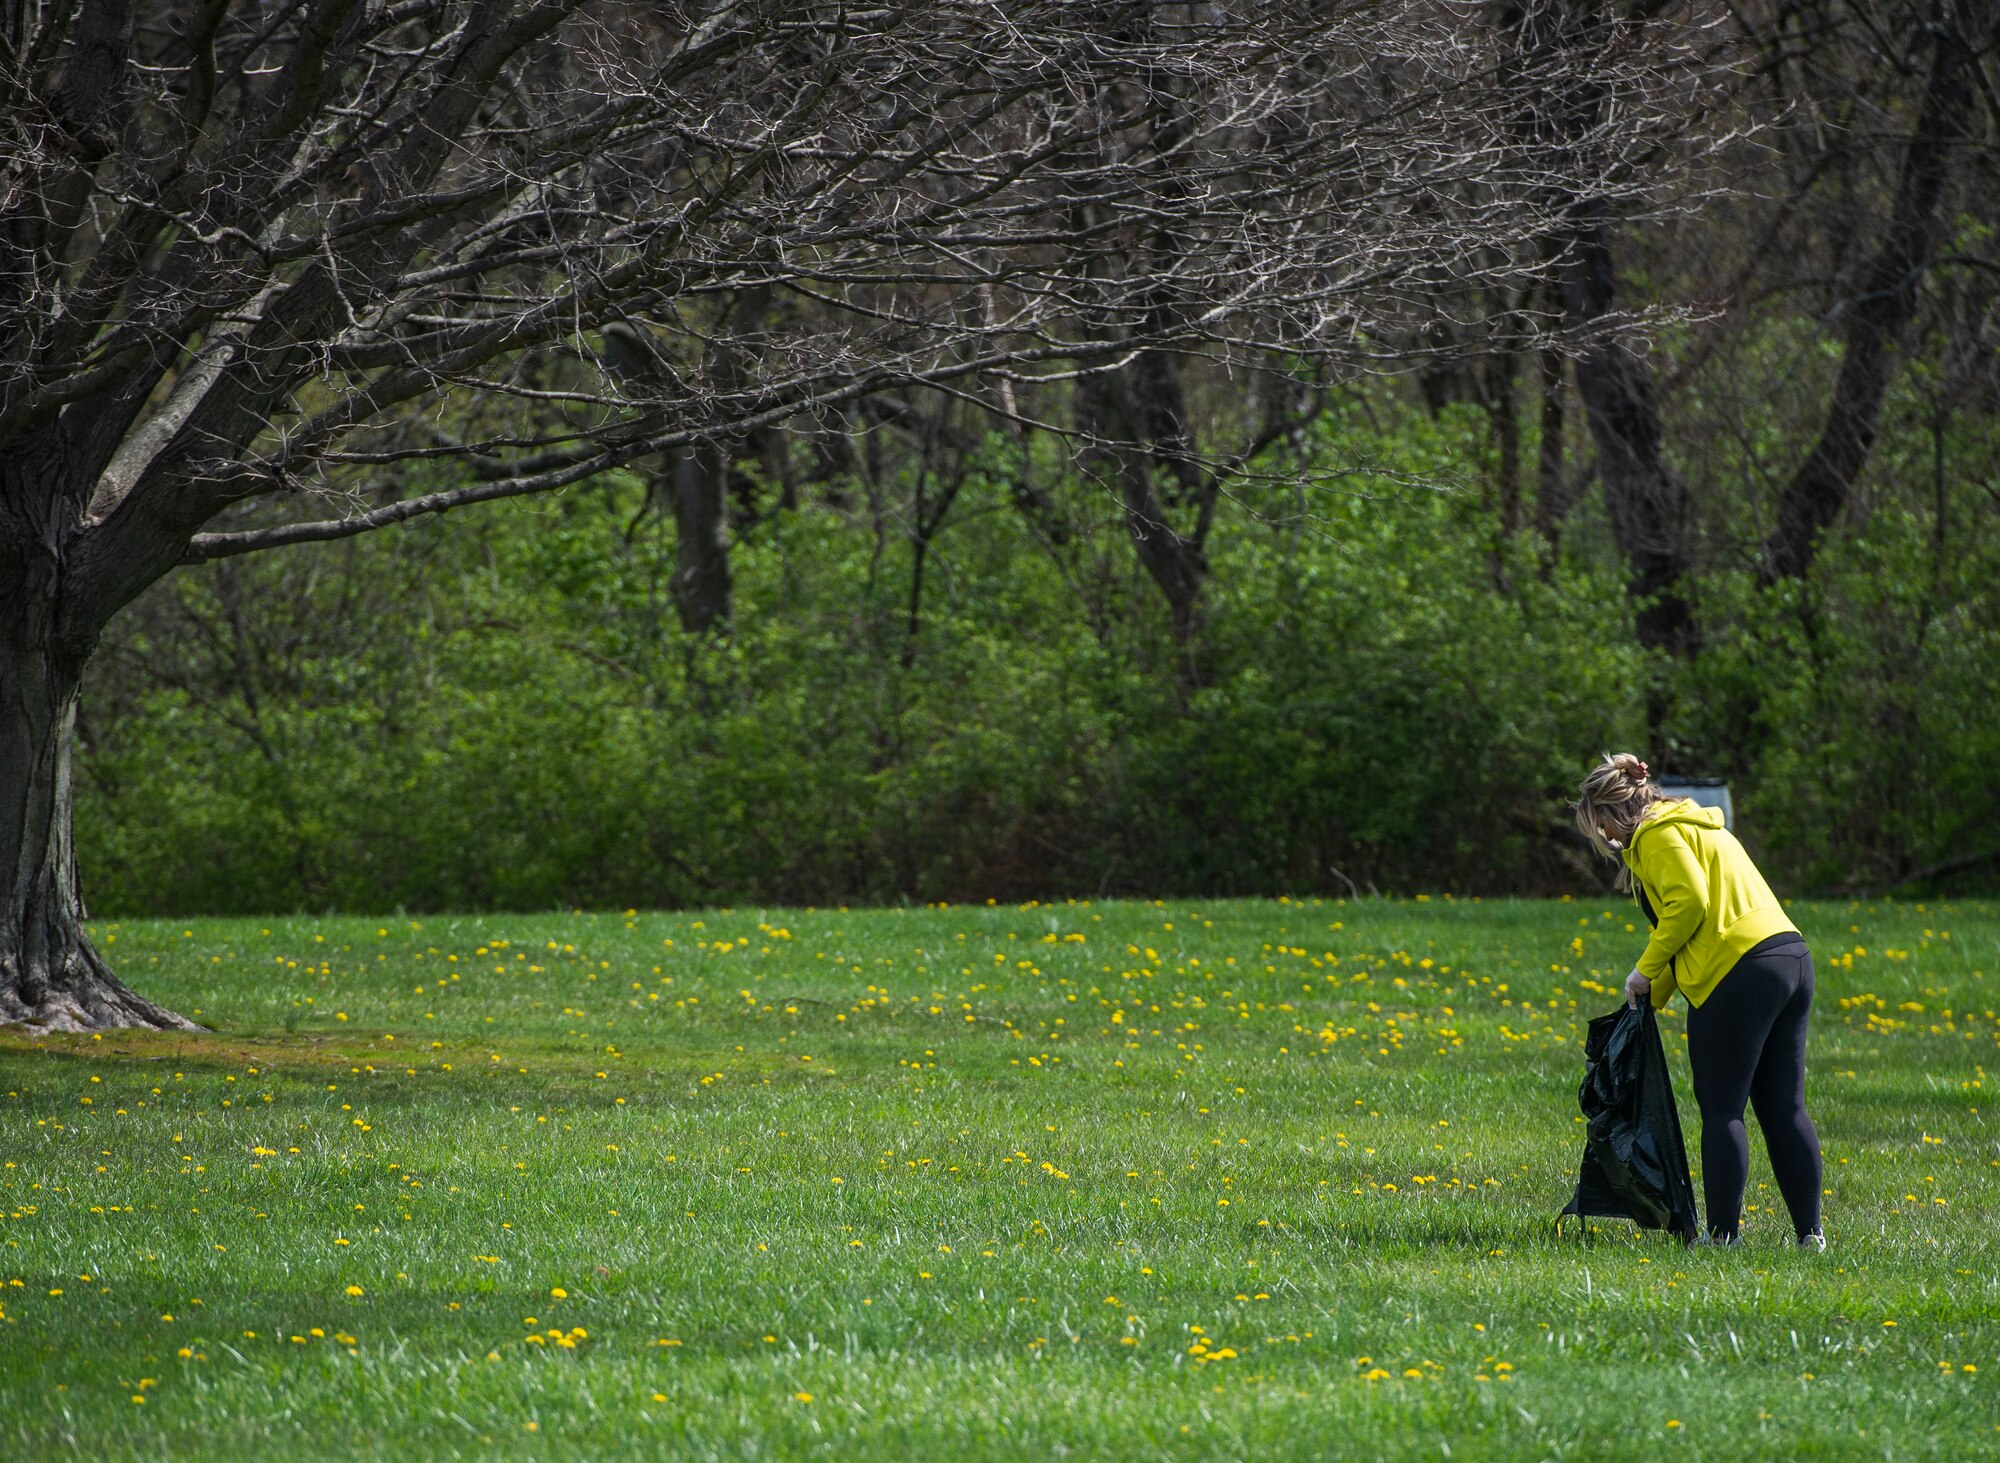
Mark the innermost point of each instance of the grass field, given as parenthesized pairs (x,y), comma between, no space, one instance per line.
(1229,1180)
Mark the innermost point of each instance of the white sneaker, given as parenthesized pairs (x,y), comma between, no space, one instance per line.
(1816,1241)
(1716,1241)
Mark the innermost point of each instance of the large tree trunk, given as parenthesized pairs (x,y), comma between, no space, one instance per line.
(50,974)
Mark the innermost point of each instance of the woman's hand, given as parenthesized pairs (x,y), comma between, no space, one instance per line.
(1638,989)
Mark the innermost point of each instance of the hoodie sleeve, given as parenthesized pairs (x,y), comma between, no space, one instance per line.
(1675,885)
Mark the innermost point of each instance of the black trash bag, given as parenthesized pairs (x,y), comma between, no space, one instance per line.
(1634,1163)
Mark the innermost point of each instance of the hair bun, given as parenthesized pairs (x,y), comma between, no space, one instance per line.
(1631,766)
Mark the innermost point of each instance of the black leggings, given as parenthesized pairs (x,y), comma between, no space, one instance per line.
(1748,1040)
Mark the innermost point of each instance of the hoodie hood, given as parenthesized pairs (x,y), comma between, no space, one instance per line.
(1684,811)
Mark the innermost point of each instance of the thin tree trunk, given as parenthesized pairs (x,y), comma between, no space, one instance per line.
(1553,492)
(1646,501)
(50,974)
(698,480)
(695,480)
(927,518)
(1503,408)
(1499,395)
(1131,421)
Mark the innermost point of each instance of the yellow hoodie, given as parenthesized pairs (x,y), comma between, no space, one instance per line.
(1708,902)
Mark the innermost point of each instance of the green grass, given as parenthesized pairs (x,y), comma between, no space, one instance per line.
(1112,1180)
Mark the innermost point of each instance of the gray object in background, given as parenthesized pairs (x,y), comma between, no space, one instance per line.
(1710,792)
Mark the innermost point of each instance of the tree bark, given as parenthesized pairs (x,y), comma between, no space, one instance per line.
(51,976)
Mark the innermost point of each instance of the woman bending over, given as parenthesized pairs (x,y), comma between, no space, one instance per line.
(1721,938)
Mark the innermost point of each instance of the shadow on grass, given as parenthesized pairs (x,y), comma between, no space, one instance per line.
(278,1053)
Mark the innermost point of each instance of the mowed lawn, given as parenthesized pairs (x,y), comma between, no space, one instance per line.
(1229,1180)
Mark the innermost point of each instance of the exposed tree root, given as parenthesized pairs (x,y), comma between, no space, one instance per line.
(81,994)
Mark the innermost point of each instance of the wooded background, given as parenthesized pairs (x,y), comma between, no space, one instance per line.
(1702,462)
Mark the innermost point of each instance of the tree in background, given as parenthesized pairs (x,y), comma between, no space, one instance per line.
(1826,86)
(272,277)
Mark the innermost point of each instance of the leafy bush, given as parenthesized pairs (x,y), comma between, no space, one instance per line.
(500,711)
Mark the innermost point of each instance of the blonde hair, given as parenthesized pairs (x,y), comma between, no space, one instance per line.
(1619,792)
